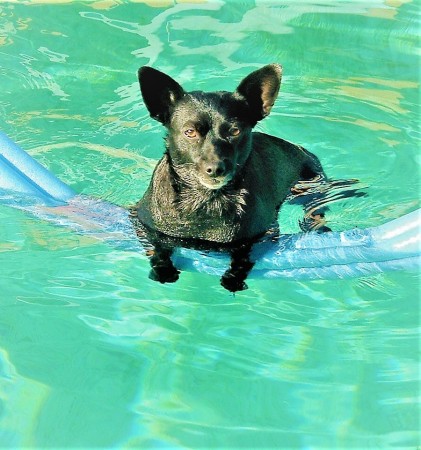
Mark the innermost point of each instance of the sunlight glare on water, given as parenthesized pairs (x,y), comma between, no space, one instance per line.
(93,354)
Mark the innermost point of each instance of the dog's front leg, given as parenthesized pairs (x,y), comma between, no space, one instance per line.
(159,253)
(162,268)
(234,278)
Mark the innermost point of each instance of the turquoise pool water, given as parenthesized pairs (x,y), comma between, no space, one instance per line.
(95,355)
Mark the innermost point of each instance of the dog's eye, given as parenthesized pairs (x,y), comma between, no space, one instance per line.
(234,131)
(190,133)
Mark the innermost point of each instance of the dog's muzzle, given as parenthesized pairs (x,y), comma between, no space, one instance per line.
(214,182)
(215,174)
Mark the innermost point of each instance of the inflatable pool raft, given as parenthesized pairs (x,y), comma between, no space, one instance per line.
(396,245)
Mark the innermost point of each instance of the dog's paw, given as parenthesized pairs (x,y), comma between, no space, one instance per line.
(164,274)
(233,283)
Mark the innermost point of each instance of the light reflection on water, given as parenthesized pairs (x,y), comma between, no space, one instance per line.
(93,353)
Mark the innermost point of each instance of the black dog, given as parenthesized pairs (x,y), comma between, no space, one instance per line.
(218,182)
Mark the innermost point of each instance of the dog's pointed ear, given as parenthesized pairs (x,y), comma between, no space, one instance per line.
(160,93)
(260,89)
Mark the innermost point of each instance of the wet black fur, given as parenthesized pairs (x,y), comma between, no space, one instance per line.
(218,183)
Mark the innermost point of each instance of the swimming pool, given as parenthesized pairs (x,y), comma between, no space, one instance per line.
(93,353)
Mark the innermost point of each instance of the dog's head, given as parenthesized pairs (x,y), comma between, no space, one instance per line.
(209,134)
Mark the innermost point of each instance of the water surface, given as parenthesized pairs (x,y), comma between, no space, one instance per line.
(93,354)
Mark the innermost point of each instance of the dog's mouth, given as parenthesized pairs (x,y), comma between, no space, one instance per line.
(214,182)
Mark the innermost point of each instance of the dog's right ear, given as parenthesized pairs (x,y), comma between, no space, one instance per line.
(160,93)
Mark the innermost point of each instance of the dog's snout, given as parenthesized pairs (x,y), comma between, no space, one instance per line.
(216,169)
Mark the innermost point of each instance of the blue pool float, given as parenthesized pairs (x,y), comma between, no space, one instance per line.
(26,184)
(20,173)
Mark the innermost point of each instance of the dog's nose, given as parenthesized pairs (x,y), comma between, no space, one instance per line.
(216,169)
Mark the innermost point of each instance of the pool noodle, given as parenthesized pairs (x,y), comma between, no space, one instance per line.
(19,172)
(394,245)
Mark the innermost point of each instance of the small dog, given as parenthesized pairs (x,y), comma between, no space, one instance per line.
(218,183)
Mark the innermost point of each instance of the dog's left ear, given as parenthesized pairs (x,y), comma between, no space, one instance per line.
(261,88)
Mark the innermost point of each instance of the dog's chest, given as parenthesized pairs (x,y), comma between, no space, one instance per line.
(192,214)
(223,216)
